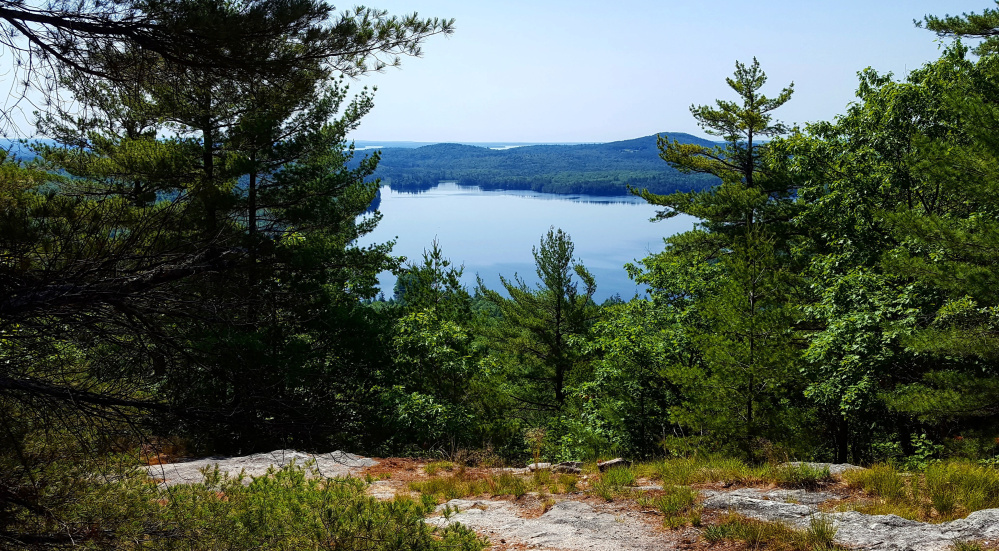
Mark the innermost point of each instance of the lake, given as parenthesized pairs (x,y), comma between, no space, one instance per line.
(492,232)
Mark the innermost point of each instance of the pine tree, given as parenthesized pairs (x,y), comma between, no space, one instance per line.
(136,292)
(536,339)
(733,280)
(983,25)
(747,190)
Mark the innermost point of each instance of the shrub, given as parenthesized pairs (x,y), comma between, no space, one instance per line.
(288,510)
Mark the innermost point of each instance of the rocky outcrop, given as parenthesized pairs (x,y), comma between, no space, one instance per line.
(327,465)
(853,529)
(567,525)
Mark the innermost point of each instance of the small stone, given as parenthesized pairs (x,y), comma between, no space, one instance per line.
(616,462)
(568,467)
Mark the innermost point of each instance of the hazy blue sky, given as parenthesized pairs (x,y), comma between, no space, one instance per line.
(589,71)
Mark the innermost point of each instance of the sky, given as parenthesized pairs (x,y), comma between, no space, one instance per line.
(563,71)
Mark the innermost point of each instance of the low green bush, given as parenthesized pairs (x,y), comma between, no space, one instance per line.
(288,509)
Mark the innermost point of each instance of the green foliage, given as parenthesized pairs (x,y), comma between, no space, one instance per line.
(594,169)
(744,187)
(103,501)
(974,25)
(626,403)
(182,259)
(537,344)
(288,510)
(730,288)
(429,394)
(897,253)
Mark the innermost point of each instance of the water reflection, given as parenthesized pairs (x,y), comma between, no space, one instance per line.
(493,232)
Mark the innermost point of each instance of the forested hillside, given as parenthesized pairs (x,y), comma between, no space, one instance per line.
(595,169)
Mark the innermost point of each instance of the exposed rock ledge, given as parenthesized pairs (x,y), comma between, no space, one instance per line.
(873,532)
(329,465)
(570,525)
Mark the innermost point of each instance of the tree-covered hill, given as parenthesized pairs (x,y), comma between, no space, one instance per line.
(597,169)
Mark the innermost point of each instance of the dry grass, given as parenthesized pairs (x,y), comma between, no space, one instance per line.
(466,483)
(434,467)
(975,546)
(776,536)
(943,492)
(684,471)
(161,451)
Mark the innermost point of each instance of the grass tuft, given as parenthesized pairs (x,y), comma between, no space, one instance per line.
(758,534)
(463,484)
(678,505)
(613,483)
(798,475)
(434,467)
(943,492)
(620,477)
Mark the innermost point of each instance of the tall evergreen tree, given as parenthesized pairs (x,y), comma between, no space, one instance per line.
(733,279)
(536,341)
(748,191)
(137,292)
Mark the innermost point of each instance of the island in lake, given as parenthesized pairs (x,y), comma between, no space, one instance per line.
(594,169)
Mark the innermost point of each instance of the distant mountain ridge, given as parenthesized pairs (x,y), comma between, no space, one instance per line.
(595,169)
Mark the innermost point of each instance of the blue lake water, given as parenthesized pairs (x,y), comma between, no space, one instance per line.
(492,232)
